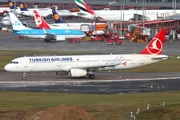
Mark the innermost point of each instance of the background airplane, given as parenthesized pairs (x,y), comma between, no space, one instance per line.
(42,24)
(44,12)
(5,20)
(116,15)
(46,34)
(97,28)
(85,65)
(2,10)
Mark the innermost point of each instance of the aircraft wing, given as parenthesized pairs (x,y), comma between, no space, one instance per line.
(98,66)
(53,36)
(78,14)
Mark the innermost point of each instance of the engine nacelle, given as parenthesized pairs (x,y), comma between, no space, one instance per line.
(77,72)
(60,38)
(6,21)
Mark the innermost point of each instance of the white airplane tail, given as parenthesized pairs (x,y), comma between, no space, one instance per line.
(16,24)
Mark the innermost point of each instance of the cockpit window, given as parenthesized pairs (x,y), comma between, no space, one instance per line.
(13,62)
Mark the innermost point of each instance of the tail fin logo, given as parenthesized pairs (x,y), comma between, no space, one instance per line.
(16,23)
(21,6)
(11,4)
(38,19)
(56,16)
(155,47)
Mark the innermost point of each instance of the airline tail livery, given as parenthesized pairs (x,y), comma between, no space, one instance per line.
(156,44)
(40,22)
(12,7)
(16,24)
(83,7)
(22,6)
(85,65)
(57,18)
(11,4)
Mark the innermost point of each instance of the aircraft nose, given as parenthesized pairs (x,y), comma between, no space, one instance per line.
(7,68)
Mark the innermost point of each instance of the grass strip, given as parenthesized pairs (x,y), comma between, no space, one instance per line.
(101,107)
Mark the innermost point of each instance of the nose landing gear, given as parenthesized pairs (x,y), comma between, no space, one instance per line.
(24,76)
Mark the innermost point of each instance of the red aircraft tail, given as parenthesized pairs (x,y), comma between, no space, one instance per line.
(40,22)
(156,44)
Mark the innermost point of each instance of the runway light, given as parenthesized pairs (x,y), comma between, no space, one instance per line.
(163,103)
(147,106)
(177,57)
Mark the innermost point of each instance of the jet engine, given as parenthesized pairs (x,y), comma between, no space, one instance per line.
(77,72)
(6,21)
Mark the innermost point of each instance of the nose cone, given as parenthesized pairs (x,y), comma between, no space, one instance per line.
(7,67)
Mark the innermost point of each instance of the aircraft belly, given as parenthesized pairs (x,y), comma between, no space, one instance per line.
(35,36)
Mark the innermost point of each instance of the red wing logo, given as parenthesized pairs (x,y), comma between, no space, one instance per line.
(124,63)
(155,47)
(11,4)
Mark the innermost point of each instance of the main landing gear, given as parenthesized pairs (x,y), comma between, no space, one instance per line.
(47,40)
(91,76)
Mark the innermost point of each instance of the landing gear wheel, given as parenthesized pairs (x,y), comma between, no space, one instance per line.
(91,76)
(23,78)
(47,40)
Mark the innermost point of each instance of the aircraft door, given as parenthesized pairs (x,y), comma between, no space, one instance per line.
(141,60)
(99,62)
(25,62)
(59,63)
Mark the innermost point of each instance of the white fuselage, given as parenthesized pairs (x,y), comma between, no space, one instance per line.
(126,15)
(2,9)
(45,12)
(66,63)
(77,26)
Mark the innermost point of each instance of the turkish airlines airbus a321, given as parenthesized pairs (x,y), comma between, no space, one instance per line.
(85,65)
